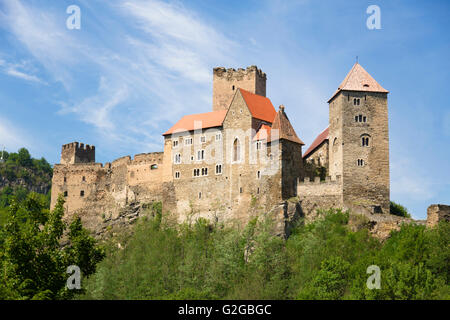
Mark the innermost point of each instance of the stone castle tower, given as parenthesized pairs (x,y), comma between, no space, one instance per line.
(74,152)
(227,81)
(359,141)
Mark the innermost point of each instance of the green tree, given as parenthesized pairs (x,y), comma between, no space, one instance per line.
(399,210)
(24,158)
(33,259)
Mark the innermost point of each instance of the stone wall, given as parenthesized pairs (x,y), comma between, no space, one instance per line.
(437,213)
(227,81)
(319,195)
(365,186)
(320,155)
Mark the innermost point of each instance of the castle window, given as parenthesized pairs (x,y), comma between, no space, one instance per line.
(153,166)
(203,139)
(218,169)
(196,172)
(258,145)
(365,141)
(218,136)
(199,195)
(204,171)
(200,154)
(258,174)
(360,162)
(364,119)
(177,174)
(65,179)
(65,193)
(232,87)
(360,118)
(241,190)
(356,118)
(83,179)
(177,158)
(236,150)
(257,191)
(188,141)
(356,101)
(175,143)
(82,193)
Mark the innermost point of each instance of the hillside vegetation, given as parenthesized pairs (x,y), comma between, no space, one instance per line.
(321,260)
(20,174)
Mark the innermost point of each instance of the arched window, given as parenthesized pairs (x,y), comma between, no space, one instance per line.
(365,140)
(236,150)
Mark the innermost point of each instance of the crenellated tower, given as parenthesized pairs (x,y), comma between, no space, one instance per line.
(77,153)
(227,81)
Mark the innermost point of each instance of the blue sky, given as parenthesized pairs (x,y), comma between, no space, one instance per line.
(135,67)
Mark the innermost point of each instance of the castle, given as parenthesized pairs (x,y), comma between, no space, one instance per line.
(243,155)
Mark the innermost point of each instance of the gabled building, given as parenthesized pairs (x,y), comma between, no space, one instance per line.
(242,158)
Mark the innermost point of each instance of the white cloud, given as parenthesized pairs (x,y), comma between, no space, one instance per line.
(19,74)
(156,55)
(11,137)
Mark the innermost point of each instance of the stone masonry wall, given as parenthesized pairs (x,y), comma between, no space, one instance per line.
(437,213)
(319,195)
(227,81)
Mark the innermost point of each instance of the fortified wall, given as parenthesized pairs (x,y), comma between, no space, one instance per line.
(97,192)
(319,195)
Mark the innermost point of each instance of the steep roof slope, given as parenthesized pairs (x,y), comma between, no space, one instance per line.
(317,142)
(284,127)
(260,107)
(358,79)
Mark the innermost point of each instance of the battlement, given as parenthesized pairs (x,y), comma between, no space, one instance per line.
(78,146)
(328,180)
(227,81)
(240,72)
(76,152)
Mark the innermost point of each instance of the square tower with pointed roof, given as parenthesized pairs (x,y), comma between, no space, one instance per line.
(359,141)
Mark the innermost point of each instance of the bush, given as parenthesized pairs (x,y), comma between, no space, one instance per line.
(399,210)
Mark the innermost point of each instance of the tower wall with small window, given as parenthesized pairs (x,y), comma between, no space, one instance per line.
(359,149)
(227,81)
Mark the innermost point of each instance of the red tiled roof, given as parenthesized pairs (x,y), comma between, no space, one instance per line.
(260,107)
(284,127)
(358,79)
(205,120)
(318,141)
(263,133)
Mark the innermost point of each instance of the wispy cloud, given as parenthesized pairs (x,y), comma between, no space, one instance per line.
(152,62)
(20,70)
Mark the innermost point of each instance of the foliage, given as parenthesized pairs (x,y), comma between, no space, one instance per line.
(313,170)
(19,174)
(320,260)
(399,210)
(33,262)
